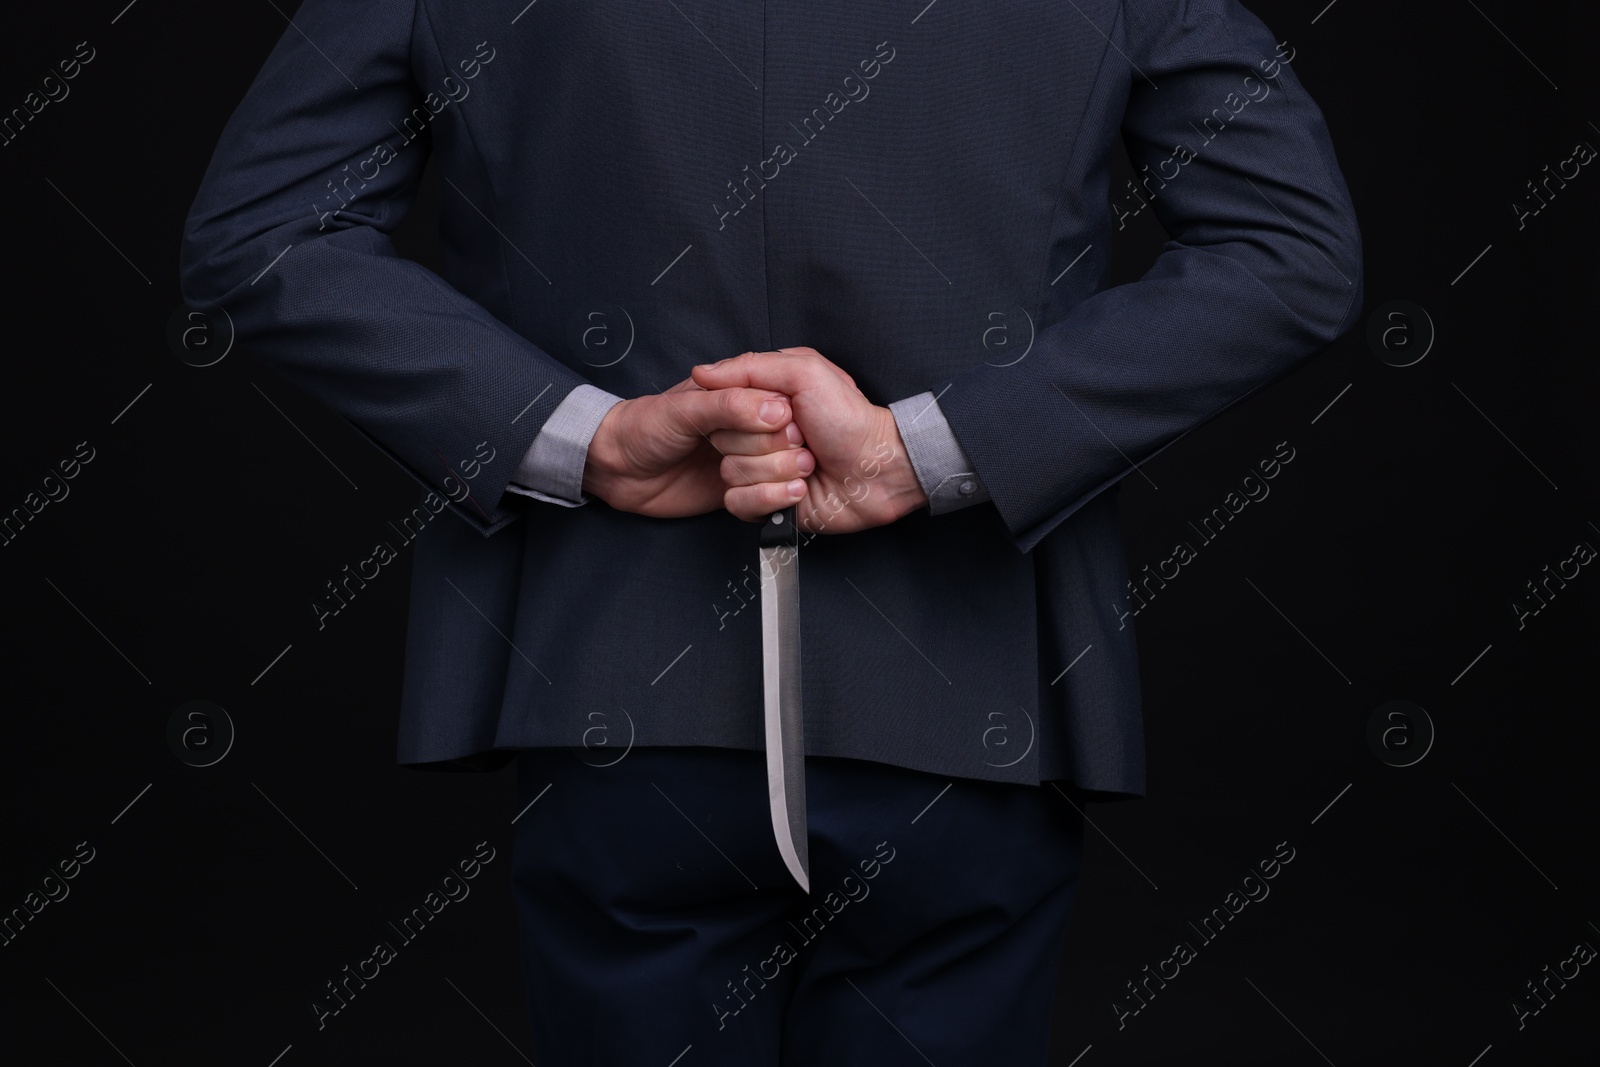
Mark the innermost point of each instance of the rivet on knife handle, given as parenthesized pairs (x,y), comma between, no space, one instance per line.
(780,528)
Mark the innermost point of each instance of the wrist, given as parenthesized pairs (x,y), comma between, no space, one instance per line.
(899,487)
(603,463)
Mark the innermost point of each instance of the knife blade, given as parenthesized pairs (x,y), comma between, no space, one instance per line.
(780,683)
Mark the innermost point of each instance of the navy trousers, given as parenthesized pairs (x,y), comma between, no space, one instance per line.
(659,927)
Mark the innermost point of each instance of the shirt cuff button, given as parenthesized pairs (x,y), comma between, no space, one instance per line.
(968,488)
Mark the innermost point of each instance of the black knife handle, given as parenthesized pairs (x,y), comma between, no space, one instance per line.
(780,528)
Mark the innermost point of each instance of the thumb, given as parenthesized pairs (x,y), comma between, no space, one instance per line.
(777,371)
(826,362)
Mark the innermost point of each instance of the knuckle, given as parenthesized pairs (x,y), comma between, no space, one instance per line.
(685,409)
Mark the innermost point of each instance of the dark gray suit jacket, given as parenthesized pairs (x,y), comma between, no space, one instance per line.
(888,185)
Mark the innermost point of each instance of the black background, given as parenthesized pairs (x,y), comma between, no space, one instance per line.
(1383,566)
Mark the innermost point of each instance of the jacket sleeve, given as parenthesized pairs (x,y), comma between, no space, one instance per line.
(1261,272)
(289,235)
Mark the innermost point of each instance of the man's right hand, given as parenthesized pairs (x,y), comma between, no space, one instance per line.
(651,455)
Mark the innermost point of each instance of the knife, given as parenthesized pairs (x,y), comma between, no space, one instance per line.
(780,683)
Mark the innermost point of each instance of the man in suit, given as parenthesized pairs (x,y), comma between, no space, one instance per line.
(868,242)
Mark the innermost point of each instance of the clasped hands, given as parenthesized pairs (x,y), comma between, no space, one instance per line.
(755,434)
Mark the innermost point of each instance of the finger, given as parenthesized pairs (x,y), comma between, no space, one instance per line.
(776,467)
(703,412)
(735,443)
(754,503)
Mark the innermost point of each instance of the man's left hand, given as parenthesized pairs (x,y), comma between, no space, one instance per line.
(861,477)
